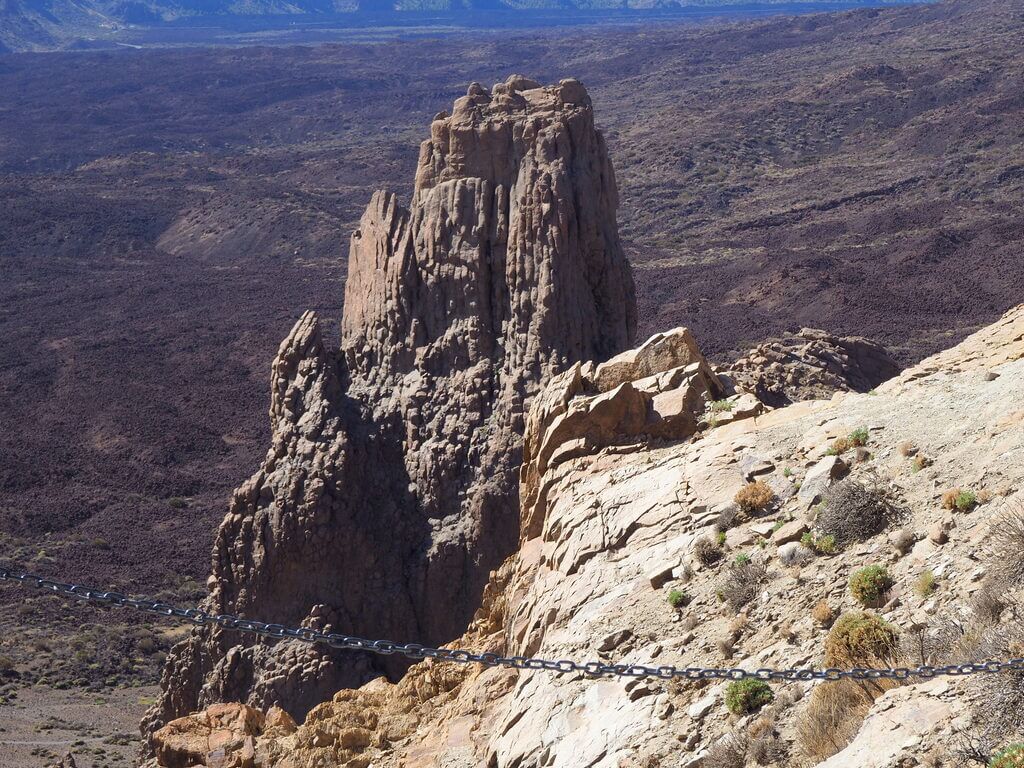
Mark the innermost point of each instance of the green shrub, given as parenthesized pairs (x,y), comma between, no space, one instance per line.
(744,696)
(860,638)
(720,538)
(859,437)
(1011,757)
(721,405)
(742,559)
(677,598)
(826,545)
(925,584)
(966,501)
(869,585)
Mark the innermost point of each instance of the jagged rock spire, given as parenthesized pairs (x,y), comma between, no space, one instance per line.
(390,490)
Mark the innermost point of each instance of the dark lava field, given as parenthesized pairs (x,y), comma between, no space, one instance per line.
(166,215)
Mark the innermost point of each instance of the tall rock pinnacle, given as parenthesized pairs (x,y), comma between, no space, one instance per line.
(390,490)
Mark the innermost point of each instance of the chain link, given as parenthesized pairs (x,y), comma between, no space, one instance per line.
(458,656)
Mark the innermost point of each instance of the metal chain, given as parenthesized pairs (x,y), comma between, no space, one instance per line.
(414,651)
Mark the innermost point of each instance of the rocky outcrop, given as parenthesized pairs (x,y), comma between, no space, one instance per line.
(390,489)
(811,365)
(617,533)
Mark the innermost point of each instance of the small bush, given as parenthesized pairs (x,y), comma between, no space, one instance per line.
(853,512)
(755,498)
(677,598)
(729,752)
(720,538)
(1005,544)
(742,559)
(860,639)
(823,614)
(726,519)
(177,502)
(869,585)
(924,586)
(1011,757)
(707,551)
(966,501)
(859,437)
(831,719)
(787,472)
(718,406)
(745,696)
(826,545)
(920,462)
(742,584)
(839,446)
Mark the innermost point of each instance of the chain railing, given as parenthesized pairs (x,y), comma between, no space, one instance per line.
(563,666)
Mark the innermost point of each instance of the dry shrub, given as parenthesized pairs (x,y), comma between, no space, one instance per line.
(707,551)
(730,752)
(1005,545)
(853,512)
(949,498)
(859,639)
(742,583)
(755,498)
(823,614)
(831,719)
(907,449)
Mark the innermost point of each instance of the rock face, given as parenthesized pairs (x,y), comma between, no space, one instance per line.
(812,365)
(390,489)
(617,531)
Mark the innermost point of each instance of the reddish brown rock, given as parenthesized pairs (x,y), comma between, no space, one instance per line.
(390,488)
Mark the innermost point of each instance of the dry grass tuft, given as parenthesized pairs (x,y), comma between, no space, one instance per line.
(755,498)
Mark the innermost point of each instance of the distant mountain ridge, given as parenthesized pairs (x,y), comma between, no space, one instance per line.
(42,25)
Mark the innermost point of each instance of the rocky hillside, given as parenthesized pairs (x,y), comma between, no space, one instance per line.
(744,546)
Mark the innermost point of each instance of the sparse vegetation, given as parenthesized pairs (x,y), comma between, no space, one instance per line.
(708,551)
(742,583)
(755,498)
(720,406)
(823,614)
(924,585)
(745,696)
(677,598)
(825,545)
(856,439)
(1005,544)
(831,719)
(742,559)
(959,499)
(869,585)
(853,512)
(1010,757)
(858,639)
(920,462)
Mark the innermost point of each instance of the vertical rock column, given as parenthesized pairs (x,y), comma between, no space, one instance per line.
(390,490)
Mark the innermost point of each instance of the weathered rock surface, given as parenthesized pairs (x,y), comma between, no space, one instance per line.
(390,490)
(614,514)
(812,365)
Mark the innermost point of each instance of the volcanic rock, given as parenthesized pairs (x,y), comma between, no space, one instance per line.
(810,365)
(390,489)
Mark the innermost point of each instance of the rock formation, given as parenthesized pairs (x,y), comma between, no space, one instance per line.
(810,365)
(616,533)
(390,489)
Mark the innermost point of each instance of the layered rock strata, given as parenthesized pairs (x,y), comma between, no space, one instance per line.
(390,489)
